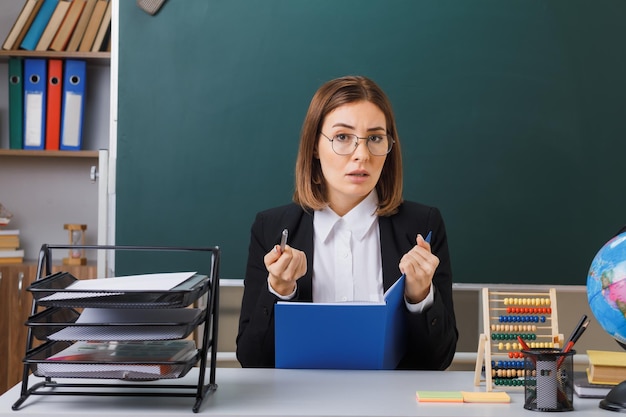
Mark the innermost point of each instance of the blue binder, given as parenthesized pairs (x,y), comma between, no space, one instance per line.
(341,335)
(39,25)
(35,79)
(74,81)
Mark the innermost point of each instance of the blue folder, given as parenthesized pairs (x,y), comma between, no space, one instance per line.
(39,25)
(74,81)
(35,79)
(341,335)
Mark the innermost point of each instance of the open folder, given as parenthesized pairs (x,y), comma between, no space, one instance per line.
(342,335)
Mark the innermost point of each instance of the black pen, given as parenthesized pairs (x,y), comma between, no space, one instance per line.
(570,344)
(575,331)
(575,338)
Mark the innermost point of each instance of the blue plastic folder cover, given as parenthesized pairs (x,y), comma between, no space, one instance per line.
(357,335)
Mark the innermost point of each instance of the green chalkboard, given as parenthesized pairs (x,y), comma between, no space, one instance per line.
(511,114)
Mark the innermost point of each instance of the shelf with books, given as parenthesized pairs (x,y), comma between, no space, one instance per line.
(62,181)
(60,25)
(48,154)
(97,58)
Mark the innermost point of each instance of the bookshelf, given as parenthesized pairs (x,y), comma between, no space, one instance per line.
(46,189)
(102,58)
(49,154)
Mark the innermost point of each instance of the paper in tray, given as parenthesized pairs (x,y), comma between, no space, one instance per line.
(42,363)
(60,323)
(138,291)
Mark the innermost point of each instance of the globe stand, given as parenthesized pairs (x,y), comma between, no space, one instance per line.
(615,400)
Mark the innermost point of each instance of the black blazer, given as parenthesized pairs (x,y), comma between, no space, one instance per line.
(432,334)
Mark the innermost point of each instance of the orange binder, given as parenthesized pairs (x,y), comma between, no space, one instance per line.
(53,106)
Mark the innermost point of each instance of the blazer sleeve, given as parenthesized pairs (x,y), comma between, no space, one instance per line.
(432,335)
(255,338)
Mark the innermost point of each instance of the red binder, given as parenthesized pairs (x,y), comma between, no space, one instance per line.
(53,106)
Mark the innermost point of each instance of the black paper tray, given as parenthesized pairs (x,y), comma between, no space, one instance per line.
(60,323)
(136,370)
(179,296)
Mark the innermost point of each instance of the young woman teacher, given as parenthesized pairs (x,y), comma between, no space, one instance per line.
(351,235)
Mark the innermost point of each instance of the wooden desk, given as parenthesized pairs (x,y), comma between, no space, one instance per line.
(282,392)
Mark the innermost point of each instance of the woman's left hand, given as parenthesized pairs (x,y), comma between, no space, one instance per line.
(419,266)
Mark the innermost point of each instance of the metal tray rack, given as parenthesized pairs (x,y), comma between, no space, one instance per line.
(53,321)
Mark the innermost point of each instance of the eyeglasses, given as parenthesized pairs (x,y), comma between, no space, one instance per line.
(346,144)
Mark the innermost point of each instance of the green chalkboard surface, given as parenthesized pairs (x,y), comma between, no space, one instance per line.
(511,115)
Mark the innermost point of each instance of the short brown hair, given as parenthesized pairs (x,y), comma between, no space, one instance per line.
(310,192)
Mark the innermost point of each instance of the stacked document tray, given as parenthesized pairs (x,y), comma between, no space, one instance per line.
(123,328)
(140,329)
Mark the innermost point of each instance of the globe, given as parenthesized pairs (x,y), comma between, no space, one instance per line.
(606,293)
(606,287)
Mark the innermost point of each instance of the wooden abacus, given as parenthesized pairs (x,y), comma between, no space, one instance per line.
(507,315)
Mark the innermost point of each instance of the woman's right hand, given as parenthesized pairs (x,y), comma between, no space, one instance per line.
(285,268)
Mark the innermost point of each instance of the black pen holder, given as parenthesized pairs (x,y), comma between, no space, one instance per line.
(548,380)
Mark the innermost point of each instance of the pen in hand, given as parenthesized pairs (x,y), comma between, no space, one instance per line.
(283,240)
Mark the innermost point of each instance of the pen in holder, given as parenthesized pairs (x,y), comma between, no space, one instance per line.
(548,379)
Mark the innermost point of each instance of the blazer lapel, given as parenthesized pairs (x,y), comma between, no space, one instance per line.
(300,225)
(394,243)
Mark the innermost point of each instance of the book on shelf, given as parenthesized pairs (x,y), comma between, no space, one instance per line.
(9,242)
(606,367)
(11,256)
(62,37)
(10,246)
(38,25)
(9,232)
(144,357)
(585,389)
(81,25)
(21,25)
(53,25)
(103,30)
(91,31)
